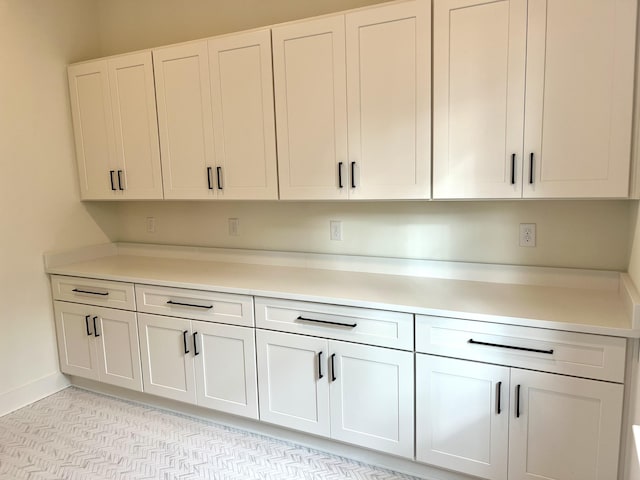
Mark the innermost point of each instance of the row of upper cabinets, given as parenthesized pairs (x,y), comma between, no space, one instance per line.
(531,98)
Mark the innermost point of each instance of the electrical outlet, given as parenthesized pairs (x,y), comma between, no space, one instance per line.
(234,227)
(335,230)
(150,223)
(527,234)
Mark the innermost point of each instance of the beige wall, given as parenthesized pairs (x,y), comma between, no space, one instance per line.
(39,207)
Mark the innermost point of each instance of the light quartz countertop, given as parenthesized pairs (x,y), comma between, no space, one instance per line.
(581,309)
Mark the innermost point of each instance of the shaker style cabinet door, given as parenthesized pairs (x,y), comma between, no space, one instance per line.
(580,71)
(76,350)
(388,52)
(478,98)
(311,109)
(243,116)
(185,121)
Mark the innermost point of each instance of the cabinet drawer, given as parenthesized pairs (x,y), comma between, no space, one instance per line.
(361,325)
(196,304)
(579,354)
(94,292)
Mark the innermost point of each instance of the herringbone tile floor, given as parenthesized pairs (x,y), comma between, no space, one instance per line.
(76,434)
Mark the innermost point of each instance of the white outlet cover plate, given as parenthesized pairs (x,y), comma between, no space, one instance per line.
(527,234)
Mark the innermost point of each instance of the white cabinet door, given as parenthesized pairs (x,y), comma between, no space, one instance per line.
(74,327)
(93,129)
(372,397)
(580,70)
(185,120)
(133,102)
(311,108)
(118,349)
(225,366)
(563,428)
(389,109)
(292,381)
(462,415)
(243,116)
(478,98)
(166,349)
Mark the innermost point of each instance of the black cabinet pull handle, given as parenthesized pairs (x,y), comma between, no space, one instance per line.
(77,290)
(353,174)
(531,168)
(184,340)
(333,367)
(513,169)
(86,323)
(320,366)
(518,401)
(95,329)
(327,322)
(340,164)
(499,398)
(195,344)
(111,172)
(120,180)
(171,302)
(511,347)
(219,177)
(209,178)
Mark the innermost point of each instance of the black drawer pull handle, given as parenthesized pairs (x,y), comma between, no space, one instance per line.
(209,178)
(518,401)
(77,290)
(333,367)
(513,169)
(320,366)
(531,168)
(111,172)
(219,177)
(171,302)
(86,323)
(340,174)
(327,322)
(184,340)
(353,174)
(195,344)
(498,398)
(120,180)
(95,329)
(511,347)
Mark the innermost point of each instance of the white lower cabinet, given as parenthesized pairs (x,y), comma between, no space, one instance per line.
(207,364)
(354,393)
(554,427)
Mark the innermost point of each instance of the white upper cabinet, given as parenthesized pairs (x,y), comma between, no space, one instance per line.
(368,71)
(115,126)
(570,135)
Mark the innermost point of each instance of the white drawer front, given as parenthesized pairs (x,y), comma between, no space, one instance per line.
(94,292)
(579,354)
(196,304)
(361,325)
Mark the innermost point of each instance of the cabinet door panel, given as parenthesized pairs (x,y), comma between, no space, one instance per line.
(242,93)
(479,67)
(568,428)
(291,392)
(75,346)
(311,108)
(167,370)
(458,426)
(372,397)
(185,119)
(136,125)
(580,57)
(388,90)
(226,368)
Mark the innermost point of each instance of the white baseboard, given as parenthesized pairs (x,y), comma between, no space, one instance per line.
(31,392)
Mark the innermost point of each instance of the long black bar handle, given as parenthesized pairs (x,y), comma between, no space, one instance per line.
(111,172)
(184,340)
(77,290)
(95,329)
(209,170)
(499,398)
(531,168)
(219,177)
(320,365)
(353,174)
(511,347)
(120,187)
(513,169)
(340,164)
(171,302)
(195,344)
(327,322)
(517,401)
(86,323)
(333,367)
